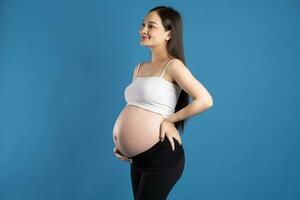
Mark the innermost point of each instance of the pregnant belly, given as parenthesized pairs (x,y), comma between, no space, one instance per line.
(136,130)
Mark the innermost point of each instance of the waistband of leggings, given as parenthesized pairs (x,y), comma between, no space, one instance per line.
(150,150)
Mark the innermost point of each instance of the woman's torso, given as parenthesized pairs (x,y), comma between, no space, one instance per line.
(137,129)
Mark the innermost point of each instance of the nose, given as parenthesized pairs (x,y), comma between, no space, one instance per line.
(144,30)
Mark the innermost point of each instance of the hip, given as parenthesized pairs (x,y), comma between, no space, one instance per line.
(160,156)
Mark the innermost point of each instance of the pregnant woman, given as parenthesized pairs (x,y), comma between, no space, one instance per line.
(147,131)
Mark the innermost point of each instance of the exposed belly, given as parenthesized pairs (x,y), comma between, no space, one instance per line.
(136,130)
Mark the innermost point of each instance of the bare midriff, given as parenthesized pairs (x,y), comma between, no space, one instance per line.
(136,130)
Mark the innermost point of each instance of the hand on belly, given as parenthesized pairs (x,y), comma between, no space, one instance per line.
(120,156)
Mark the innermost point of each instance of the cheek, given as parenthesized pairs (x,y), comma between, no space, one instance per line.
(156,36)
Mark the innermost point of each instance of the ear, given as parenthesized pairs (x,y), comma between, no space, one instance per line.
(169,35)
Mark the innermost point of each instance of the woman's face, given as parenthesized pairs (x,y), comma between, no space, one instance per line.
(152,31)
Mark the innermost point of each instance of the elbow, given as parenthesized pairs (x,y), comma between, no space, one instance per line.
(205,102)
(209,102)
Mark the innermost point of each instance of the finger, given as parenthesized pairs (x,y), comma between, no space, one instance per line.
(172,142)
(116,150)
(127,159)
(119,152)
(162,136)
(178,138)
(124,157)
(120,156)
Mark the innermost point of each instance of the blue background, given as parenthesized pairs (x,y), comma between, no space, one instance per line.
(64,66)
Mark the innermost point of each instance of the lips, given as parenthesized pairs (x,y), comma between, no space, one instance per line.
(145,37)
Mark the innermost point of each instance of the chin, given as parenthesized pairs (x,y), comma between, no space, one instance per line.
(143,44)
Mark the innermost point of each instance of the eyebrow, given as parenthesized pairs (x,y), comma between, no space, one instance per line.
(151,22)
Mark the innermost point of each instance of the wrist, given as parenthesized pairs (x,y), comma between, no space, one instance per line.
(167,120)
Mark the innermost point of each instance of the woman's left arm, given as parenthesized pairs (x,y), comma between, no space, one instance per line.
(202,100)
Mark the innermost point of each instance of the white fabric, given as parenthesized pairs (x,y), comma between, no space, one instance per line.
(153,93)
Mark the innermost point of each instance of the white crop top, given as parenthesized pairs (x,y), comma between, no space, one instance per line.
(153,93)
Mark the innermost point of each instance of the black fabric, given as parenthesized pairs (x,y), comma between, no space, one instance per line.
(155,171)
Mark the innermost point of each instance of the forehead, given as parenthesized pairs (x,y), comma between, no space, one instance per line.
(152,17)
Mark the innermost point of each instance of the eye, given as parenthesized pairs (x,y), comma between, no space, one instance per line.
(149,26)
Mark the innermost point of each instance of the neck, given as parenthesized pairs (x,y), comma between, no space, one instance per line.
(159,54)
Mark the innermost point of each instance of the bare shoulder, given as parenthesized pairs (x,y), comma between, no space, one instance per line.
(188,82)
(176,67)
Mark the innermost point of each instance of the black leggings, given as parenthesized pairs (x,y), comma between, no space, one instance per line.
(155,171)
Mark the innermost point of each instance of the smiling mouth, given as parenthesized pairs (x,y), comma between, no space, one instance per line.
(145,37)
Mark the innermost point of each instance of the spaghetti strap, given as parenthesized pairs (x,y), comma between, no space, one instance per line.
(137,70)
(163,72)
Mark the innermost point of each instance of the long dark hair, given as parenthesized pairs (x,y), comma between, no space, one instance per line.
(171,20)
